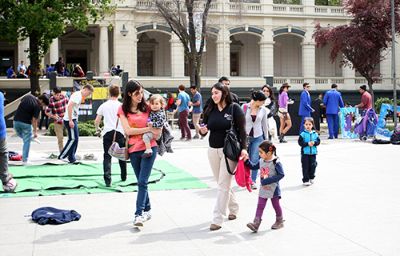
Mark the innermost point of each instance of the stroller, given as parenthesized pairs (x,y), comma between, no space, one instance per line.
(366,125)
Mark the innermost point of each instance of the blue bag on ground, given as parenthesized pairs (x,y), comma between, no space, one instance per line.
(50,215)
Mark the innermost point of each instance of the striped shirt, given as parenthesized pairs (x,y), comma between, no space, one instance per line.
(57,107)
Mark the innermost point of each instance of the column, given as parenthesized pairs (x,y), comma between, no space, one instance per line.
(309,53)
(349,75)
(309,6)
(386,68)
(309,62)
(22,54)
(223,53)
(103,50)
(54,51)
(267,54)
(177,57)
(125,47)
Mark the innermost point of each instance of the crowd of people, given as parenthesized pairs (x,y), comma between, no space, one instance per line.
(137,124)
(59,67)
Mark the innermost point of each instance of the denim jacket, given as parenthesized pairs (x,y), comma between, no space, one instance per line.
(306,137)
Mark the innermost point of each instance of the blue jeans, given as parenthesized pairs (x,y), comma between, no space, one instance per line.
(253,154)
(70,148)
(142,167)
(333,125)
(24,131)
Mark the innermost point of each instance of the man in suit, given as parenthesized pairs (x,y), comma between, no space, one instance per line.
(333,100)
(305,108)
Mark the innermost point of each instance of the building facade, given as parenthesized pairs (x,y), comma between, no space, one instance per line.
(245,41)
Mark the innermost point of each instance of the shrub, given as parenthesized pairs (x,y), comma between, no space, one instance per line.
(84,128)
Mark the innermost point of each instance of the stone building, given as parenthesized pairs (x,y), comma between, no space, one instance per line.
(245,41)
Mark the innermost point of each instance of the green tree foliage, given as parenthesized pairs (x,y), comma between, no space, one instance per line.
(43,20)
(328,2)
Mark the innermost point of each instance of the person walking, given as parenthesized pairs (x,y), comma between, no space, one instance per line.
(308,141)
(197,103)
(271,105)
(283,113)
(7,180)
(256,116)
(271,174)
(183,109)
(112,130)
(133,115)
(26,121)
(305,108)
(217,119)
(71,123)
(56,110)
(333,101)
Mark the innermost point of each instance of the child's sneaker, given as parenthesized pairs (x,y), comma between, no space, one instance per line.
(10,186)
(146,216)
(138,221)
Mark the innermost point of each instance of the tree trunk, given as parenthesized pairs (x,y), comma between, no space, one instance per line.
(192,69)
(371,91)
(35,62)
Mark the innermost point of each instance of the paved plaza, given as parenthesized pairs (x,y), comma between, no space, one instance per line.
(352,209)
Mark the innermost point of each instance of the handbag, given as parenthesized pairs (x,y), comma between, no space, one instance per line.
(232,148)
(116,151)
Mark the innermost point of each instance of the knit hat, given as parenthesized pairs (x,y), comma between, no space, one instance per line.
(364,87)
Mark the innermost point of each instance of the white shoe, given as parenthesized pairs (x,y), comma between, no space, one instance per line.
(10,186)
(312,181)
(146,216)
(27,163)
(138,221)
(307,183)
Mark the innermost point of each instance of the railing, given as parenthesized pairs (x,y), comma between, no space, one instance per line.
(328,80)
(285,8)
(248,8)
(330,10)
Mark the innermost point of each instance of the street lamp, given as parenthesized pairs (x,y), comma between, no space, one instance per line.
(394,63)
(124,31)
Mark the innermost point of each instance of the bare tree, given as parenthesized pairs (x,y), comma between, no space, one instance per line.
(180,17)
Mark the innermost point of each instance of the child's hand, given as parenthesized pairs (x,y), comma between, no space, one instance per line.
(311,143)
(150,124)
(266,187)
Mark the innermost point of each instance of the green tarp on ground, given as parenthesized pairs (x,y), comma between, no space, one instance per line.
(43,180)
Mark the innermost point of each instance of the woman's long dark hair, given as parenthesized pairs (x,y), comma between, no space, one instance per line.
(271,93)
(130,88)
(226,97)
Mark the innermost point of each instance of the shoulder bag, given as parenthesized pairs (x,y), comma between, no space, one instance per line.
(232,148)
(116,151)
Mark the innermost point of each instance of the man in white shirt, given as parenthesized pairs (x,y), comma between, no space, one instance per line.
(21,66)
(112,127)
(71,122)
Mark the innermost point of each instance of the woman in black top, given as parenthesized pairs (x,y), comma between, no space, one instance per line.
(217,120)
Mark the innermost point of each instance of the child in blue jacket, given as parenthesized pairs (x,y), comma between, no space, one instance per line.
(308,141)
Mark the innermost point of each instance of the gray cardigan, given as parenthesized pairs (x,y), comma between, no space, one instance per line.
(260,125)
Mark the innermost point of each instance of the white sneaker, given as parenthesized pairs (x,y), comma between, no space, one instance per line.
(146,216)
(138,221)
(312,181)
(10,186)
(307,183)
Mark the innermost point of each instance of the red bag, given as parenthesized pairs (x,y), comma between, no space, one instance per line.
(242,175)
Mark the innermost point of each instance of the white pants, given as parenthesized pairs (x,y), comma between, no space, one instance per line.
(225,196)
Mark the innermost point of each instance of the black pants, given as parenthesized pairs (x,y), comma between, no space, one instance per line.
(107,141)
(308,164)
(43,118)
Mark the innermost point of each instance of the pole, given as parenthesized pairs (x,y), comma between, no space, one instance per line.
(394,63)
